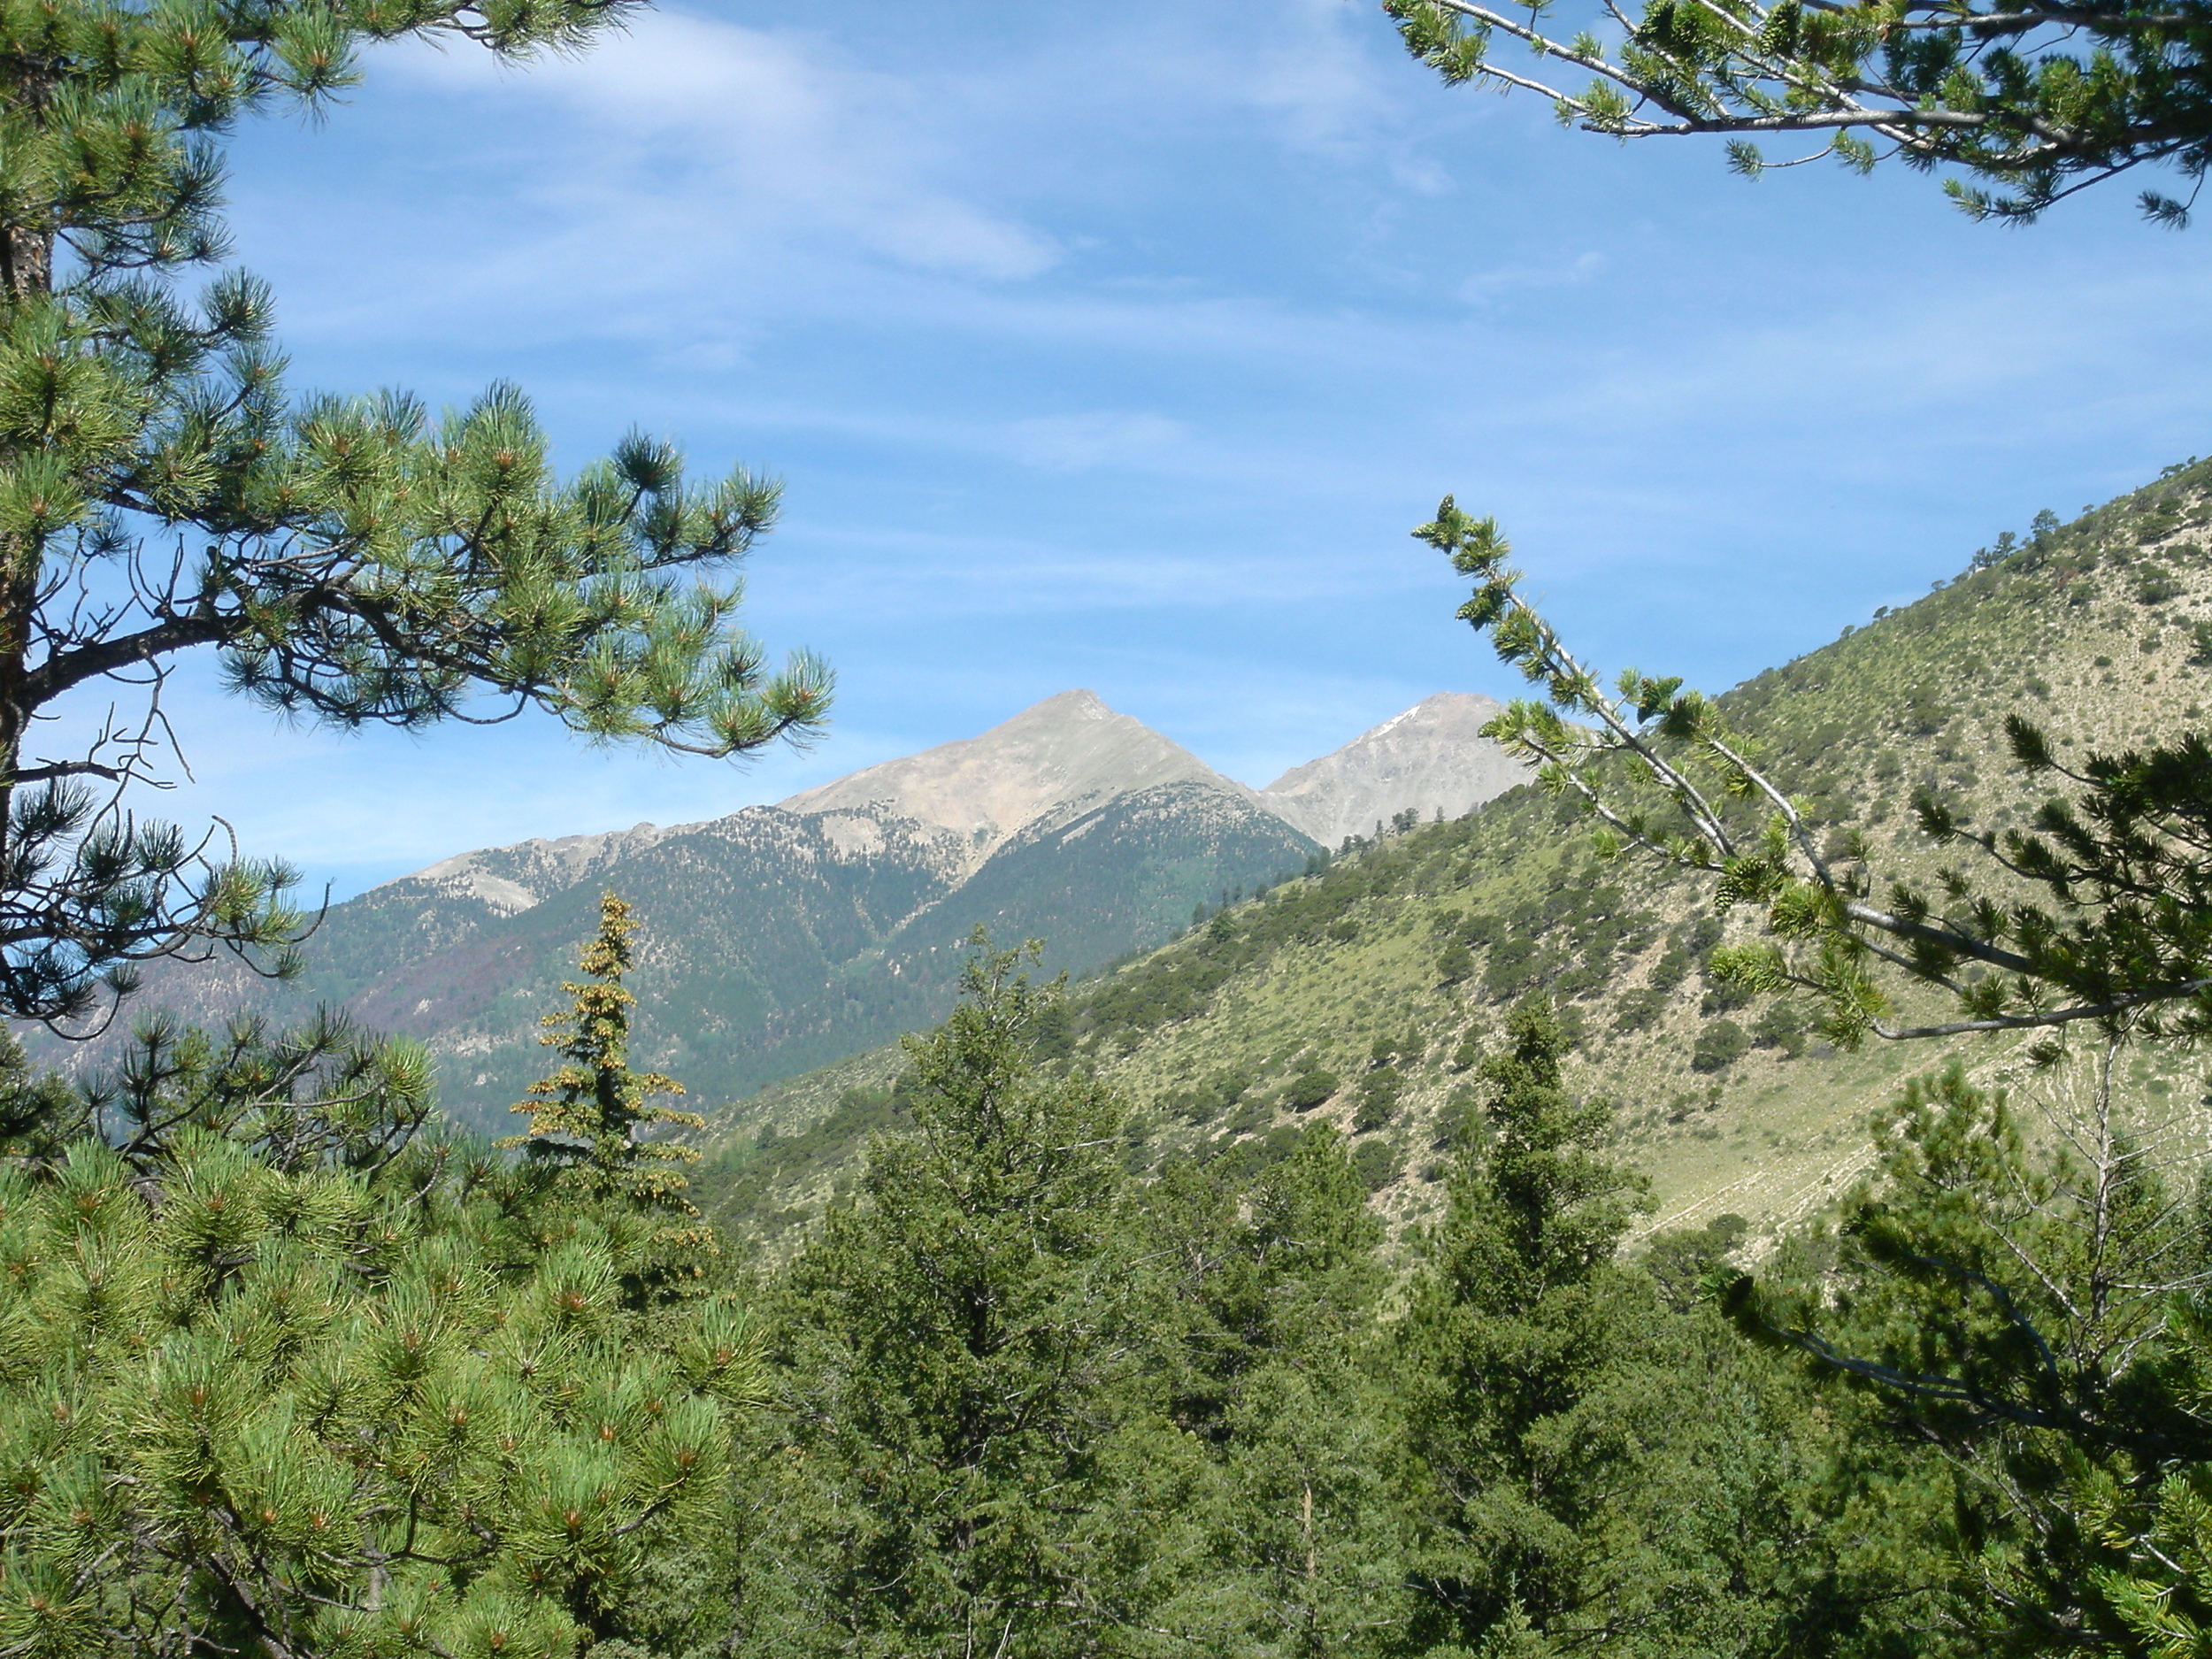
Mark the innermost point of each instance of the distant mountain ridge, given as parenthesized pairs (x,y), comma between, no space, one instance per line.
(1050,763)
(1433,760)
(782,938)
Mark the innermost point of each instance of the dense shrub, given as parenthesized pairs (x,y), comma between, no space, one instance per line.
(1719,1046)
(1781,1025)
(1378,1163)
(1379,1093)
(1637,1010)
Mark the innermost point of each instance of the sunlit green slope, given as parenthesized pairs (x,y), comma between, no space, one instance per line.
(1363,994)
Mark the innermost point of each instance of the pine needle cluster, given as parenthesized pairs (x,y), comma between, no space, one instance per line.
(254,1402)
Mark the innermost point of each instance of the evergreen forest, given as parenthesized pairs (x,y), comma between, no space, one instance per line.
(1354,1276)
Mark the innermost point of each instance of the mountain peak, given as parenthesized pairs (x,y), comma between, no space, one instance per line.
(1079,704)
(1432,757)
(1051,763)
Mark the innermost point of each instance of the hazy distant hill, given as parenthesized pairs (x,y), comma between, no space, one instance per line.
(2104,631)
(783,938)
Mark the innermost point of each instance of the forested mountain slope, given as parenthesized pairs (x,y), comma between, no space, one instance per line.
(782,938)
(1364,993)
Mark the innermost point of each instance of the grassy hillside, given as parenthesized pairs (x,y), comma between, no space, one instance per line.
(1364,993)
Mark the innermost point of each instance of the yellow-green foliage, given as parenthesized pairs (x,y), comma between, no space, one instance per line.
(592,1120)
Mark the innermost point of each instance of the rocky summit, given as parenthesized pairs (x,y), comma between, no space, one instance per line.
(1046,767)
(1432,760)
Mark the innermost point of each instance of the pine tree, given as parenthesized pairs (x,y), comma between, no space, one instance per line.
(1270,1295)
(256,1398)
(1516,1319)
(2037,105)
(1583,1467)
(592,1120)
(2027,1307)
(351,561)
(2096,917)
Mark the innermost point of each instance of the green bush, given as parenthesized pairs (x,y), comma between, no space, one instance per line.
(279,1382)
(1376,1163)
(1309,1088)
(1379,1093)
(1722,998)
(2155,585)
(1780,1026)
(1637,1010)
(1516,963)
(1719,1046)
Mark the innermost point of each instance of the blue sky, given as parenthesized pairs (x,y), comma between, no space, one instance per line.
(1120,347)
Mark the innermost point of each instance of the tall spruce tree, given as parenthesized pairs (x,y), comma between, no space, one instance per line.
(354,561)
(1587,1468)
(1269,1291)
(960,1470)
(592,1121)
(1519,1319)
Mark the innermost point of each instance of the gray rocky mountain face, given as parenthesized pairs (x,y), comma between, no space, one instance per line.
(1433,759)
(1044,768)
(782,938)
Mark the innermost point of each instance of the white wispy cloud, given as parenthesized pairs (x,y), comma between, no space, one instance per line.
(690,138)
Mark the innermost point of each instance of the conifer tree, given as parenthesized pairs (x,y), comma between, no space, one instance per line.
(1517,1317)
(1271,1295)
(1584,1469)
(592,1120)
(256,1398)
(960,1471)
(353,561)
(2037,101)
(2096,917)
(2029,1305)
